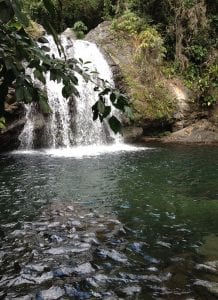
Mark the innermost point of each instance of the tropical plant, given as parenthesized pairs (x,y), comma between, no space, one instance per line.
(80,28)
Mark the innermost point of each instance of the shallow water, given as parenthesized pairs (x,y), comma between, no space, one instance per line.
(165,197)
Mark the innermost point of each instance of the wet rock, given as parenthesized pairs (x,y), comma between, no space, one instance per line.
(36,267)
(76,223)
(57,251)
(56,238)
(63,272)
(2,254)
(26,297)
(30,279)
(163,244)
(131,290)
(51,294)
(210,247)
(113,254)
(97,280)
(212,287)
(70,208)
(136,247)
(151,259)
(21,280)
(81,247)
(18,233)
(203,131)
(53,224)
(109,296)
(85,268)
(152,269)
(210,267)
(91,240)
(76,293)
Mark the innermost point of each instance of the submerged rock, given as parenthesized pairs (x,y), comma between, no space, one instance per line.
(51,294)
(113,254)
(131,290)
(85,268)
(211,267)
(212,287)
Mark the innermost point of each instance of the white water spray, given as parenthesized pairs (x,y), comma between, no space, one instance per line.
(63,128)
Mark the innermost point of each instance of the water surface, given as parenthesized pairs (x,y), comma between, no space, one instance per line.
(166,198)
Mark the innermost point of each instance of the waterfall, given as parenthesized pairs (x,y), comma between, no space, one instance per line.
(26,136)
(65,126)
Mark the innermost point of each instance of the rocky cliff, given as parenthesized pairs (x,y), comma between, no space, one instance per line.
(164,109)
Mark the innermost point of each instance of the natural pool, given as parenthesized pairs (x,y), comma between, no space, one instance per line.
(144,223)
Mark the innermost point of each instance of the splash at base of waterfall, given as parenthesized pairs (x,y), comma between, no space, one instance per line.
(83,151)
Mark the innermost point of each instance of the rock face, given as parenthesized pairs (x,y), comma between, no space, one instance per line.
(182,116)
(115,56)
(9,136)
(203,132)
(188,123)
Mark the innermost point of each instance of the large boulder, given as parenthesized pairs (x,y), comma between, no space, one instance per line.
(202,132)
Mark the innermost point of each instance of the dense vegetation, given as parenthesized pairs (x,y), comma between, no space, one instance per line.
(188,29)
(181,35)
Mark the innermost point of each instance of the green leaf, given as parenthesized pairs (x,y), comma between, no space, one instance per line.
(15,25)
(101,106)
(22,18)
(44,107)
(115,124)
(39,75)
(107,111)
(27,95)
(6,11)
(67,91)
(121,103)
(50,8)
(2,123)
(95,111)
(19,93)
(113,97)
(105,91)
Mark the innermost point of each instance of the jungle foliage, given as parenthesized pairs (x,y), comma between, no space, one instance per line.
(188,29)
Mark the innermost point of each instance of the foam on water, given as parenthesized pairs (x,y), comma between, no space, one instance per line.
(83,151)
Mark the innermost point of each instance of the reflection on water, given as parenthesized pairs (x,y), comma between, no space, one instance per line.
(165,197)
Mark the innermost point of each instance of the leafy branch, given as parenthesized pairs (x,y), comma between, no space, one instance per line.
(19,52)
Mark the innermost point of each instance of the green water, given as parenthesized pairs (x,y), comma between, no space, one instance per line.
(167,198)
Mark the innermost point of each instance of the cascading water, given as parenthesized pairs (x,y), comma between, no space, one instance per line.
(26,136)
(64,128)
